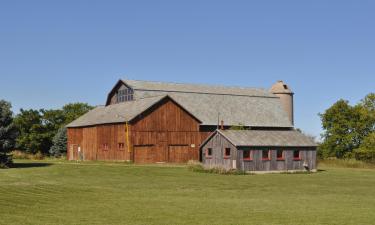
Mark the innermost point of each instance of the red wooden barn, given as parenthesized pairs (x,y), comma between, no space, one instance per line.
(148,122)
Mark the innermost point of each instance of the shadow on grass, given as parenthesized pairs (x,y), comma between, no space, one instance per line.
(29,165)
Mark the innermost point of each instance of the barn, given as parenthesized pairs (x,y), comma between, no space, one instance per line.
(259,150)
(155,122)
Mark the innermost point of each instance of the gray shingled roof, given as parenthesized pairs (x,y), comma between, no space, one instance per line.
(234,110)
(117,113)
(196,88)
(247,106)
(268,138)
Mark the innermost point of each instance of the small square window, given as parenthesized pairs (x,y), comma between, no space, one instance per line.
(227,153)
(121,146)
(296,155)
(280,155)
(105,147)
(209,152)
(247,155)
(266,154)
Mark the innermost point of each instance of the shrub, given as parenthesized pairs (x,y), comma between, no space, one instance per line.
(347,163)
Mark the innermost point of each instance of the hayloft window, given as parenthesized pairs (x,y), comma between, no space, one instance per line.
(226,153)
(247,155)
(266,155)
(209,153)
(125,95)
(121,146)
(296,155)
(280,154)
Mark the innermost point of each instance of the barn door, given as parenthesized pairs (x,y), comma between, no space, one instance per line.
(144,154)
(179,153)
(75,152)
(71,152)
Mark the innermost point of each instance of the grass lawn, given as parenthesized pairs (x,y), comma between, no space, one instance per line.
(115,193)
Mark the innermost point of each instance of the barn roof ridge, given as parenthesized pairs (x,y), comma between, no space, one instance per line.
(198,88)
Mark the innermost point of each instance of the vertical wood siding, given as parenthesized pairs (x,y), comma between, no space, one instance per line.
(218,143)
(165,133)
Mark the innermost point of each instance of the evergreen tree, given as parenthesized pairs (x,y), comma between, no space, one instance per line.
(59,143)
(8,133)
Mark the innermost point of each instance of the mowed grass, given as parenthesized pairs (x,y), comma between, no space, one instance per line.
(115,193)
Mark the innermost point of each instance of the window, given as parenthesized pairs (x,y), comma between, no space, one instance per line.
(247,155)
(125,95)
(209,153)
(266,155)
(280,155)
(296,155)
(105,147)
(226,153)
(121,146)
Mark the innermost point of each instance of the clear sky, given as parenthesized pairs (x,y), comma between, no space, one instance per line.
(56,52)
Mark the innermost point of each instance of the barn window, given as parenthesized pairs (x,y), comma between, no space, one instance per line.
(125,95)
(247,155)
(226,152)
(280,155)
(209,152)
(296,155)
(266,155)
(121,146)
(105,147)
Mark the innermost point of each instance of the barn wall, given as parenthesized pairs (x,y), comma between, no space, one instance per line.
(167,133)
(91,141)
(166,116)
(218,144)
(74,139)
(308,155)
(111,136)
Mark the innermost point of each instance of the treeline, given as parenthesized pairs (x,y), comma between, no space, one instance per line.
(36,131)
(349,131)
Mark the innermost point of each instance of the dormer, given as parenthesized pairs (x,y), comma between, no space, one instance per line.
(121,92)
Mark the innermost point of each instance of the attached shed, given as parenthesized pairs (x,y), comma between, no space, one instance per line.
(259,150)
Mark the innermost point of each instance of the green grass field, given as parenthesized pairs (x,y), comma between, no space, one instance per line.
(116,193)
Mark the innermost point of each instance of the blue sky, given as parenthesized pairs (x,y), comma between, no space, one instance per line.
(56,52)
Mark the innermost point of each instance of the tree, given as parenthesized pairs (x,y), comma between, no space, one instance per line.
(72,111)
(32,133)
(59,143)
(8,133)
(345,127)
(366,150)
(39,127)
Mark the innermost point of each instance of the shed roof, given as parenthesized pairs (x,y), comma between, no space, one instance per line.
(268,138)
